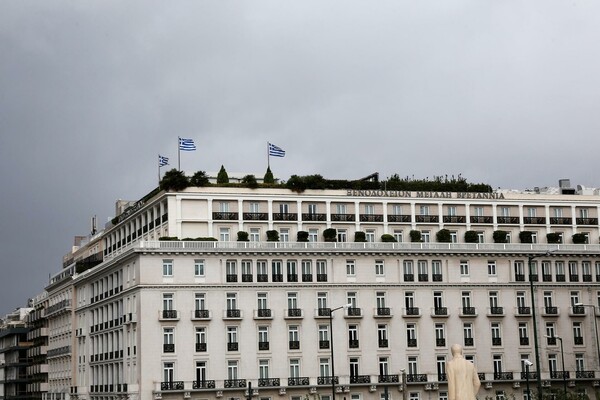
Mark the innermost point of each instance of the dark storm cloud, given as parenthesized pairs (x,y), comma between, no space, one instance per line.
(91,91)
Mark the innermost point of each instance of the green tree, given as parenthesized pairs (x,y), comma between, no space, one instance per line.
(386,237)
(174,180)
(443,236)
(500,236)
(302,236)
(199,179)
(360,237)
(250,181)
(471,237)
(222,176)
(242,236)
(330,235)
(415,236)
(269,179)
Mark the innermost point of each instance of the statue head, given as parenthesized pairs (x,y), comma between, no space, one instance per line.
(456,350)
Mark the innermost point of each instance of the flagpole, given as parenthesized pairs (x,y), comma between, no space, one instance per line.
(159,170)
(178,153)
(268,157)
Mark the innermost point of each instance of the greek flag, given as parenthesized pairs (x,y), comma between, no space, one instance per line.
(276,151)
(186,144)
(162,161)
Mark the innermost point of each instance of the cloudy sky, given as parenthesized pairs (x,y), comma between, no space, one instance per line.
(502,92)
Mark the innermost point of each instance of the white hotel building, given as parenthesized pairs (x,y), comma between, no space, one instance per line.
(205,319)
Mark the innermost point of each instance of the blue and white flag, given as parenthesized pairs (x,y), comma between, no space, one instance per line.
(186,144)
(276,151)
(162,161)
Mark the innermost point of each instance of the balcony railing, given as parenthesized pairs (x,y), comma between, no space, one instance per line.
(202,314)
(232,346)
(442,377)
(546,278)
(584,374)
(262,278)
(496,341)
(440,311)
(427,218)
(343,217)
(360,378)
(201,347)
(268,382)
(323,344)
(252,216)
(531,375)
(277,277)
(454,219)
(203,384)
(414,378)
(292,277)
(388,378)
(496,310)
(263,345)
(233,313)
(468,341)
(559,374)
(436,277)
(314,217)
(353,343)
(398,218)
(524,310)
(294,345)
(370,218)
(285,217)
(169,314)
(507,220)
(323,312)
(551,340)
(578,340)
(171,385)
(307,278)
(503,376)
(551,310)
(354,312)
(534,220)
(578,310)
(561,221)
(383,343)
(520,277)
(411,342)
(299,381)
(168,347)
(263,313)
(234,383)
(482,219)
(411,311)
(524,341)
(321,277)
(586,221)
(409,277)
(383,312)
(327,380)
(294,312)
(231,278)
(246,277)
(225,216)
(440,342)
(468,311)
(423,277)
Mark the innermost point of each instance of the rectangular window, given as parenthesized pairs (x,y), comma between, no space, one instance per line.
(224,235)
(223,207)
(351,299)
(168,372)
(370,235)
(253,207)
(254,235)
(383,366)
(350,268)
(232,301)
(168,301)
(464,268)
(167,268)
(313,235)
(342,235)
(200,301)
(491,268)
(294,368)
(398,235)
(312,209)
(284,235)
(292,300)
(263,369)
(232,369)
(199,267)
(321,300)
(324,367)
(379,268)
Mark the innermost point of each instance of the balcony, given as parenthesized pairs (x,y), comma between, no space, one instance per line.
(436,277)
(532,375)
(427,218)
(294,313)
(423,277)
(577,310)
(285,217)
(277,278)
(388,378)
(263,346)
(354,312)
(587,278)
(586,221)
(534,220)
(171,385)
(496,341)
(323,312)
(442,377)
(454,219)
(573,278)
(268,382)
(559,374)
(360,378)
(496,311)
(294,345)
(584,374)
(233,314)
(314,217)
(292,277)
(307,278)
(321,277)
(262,278)
(546,278)
(263,313)
(439,312)
(343,217)
(412,312)
(523,311)
(578,340)
(299,381)
(383,343)
(234,383)
(169,348)
(203,384)
(551,341)
(561,278)
(232,346)
(503,376)
(398,218)
(323,344)
(520,277)
(416,378)
(169,315)
(353,343)
(482,220)
(508,220)
(550,311)
(468,341)
(561,221)
(201,347)
(252,216)
(409,277)
(383,312)
(468,312)
(231,278)
(411,342)
(201,314)
(246,277)
(440,342)
(327,380)
(225,216)
(370,217)
(524,341)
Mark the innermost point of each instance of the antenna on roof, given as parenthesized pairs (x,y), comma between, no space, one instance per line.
(94,226)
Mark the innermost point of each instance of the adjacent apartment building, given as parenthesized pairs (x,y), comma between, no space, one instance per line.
(329,293)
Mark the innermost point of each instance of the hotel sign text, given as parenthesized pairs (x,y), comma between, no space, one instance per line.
(425,195)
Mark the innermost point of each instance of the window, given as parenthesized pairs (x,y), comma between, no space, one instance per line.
(312,209)
(451,211)
(398,235)
(293,337)
(380,300)
(323,336)
(423,210)
(579,362)
(292,300)
(342,235)
(413,365)
(409,272)
(480,237)
(521,303)
(468,333)
(577,333)
(263,338)
(464,268)
(292,271)
(493,301)
(370,235)
(551,333)
(263,369)
(491,268)
(324,367)
(383,366)
(294,368)
(168,301)
(425,236)
(322,300)
(261,299)
(396,209)
(232,369)
(200,338)
(382,335)
(200,301)
(224,234)
(199,267)
(306,271)
(261,271)
(321,270)
(523,334)
(353,336)
(232,338)
(531,212)
(438,302)
(379,268)
(167,268)
(313,235)
(504,212)
(465,299)
(436,270)
(168,371)
(423,270)
(478,211)
(351,299)
(496,335)
(232,301)
(253,207)
(341,209)
(168,340)
(353,368)
(519,270)
(552,363)
(440,334)
(277,271)
(284,208)
(350,268)
(409,300)
(201,372)
(574,296)
(453,237)
(231,270)
(246,271)
(440,363)
(254,235)
(284,235)
(411,335)
(497,362)
(223,207)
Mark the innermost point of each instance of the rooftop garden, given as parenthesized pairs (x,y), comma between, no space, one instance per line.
(175,180)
